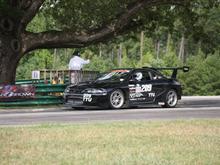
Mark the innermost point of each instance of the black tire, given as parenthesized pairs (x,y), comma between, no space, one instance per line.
(171,99)
(116,99)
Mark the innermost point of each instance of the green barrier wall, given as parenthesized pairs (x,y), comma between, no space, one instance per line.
(41,81)
(46,94)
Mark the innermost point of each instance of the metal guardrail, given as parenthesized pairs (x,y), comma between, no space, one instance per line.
(41,81)
(50,88)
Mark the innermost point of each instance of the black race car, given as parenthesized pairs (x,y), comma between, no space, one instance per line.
(126,88)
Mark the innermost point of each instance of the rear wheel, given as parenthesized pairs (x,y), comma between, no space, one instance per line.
(171,99)
(116,99)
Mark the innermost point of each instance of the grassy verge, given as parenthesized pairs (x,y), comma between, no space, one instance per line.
(165,143)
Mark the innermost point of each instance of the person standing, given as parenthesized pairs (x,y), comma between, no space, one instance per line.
(76,62)
(75,66)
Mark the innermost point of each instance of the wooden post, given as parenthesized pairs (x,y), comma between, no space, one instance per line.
(45,75)
(50,77)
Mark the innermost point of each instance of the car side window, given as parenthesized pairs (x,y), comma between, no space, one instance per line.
(155,76)
(146,76)
(141,76)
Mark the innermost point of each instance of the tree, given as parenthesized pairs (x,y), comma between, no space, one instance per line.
(16,41)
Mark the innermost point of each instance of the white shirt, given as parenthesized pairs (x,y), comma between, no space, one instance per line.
(76,63)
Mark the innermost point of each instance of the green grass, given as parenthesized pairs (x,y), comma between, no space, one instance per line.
(193,142)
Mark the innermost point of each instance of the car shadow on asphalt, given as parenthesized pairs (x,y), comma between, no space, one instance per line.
(108,109)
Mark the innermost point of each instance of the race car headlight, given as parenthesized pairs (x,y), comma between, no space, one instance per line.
(99,91)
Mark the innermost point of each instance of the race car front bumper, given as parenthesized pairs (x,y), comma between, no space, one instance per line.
(85,100)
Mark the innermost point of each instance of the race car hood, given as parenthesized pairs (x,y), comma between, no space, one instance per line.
(97,84)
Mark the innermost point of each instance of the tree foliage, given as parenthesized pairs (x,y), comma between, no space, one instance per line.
(169,26)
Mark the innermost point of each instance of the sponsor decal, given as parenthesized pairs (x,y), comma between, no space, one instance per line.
(36,75)
(151,94)
(87,97)
(17,91)
(135,95)
(138,88)
(140,92)
(141,88)
(161,103)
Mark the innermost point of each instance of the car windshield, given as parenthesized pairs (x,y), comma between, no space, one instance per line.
(114,75)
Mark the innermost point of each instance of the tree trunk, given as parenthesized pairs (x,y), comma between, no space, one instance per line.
(10,51)
(181,50)
(168,44)
(199,48)
(54,58)
(7,72)
(141,46)
(119,55)
(112,55)
(8,64)
(100,50)
(158,49)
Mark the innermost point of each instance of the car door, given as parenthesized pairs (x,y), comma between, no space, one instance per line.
(159,83)
(141,88)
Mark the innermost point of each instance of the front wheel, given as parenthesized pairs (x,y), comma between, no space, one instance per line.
(171,99)
(116,99)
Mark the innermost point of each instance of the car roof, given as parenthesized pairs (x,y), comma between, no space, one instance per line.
(144,68)
(123,68)
(137,69)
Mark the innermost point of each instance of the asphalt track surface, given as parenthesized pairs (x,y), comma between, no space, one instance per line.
(196,107)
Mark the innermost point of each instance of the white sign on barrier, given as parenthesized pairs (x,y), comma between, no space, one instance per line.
(36,75)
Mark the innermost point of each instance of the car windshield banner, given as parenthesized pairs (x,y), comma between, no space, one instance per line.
(16,91)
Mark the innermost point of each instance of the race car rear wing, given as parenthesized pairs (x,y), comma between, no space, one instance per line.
(174,69)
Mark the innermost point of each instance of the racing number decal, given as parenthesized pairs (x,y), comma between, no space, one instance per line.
(146,88)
